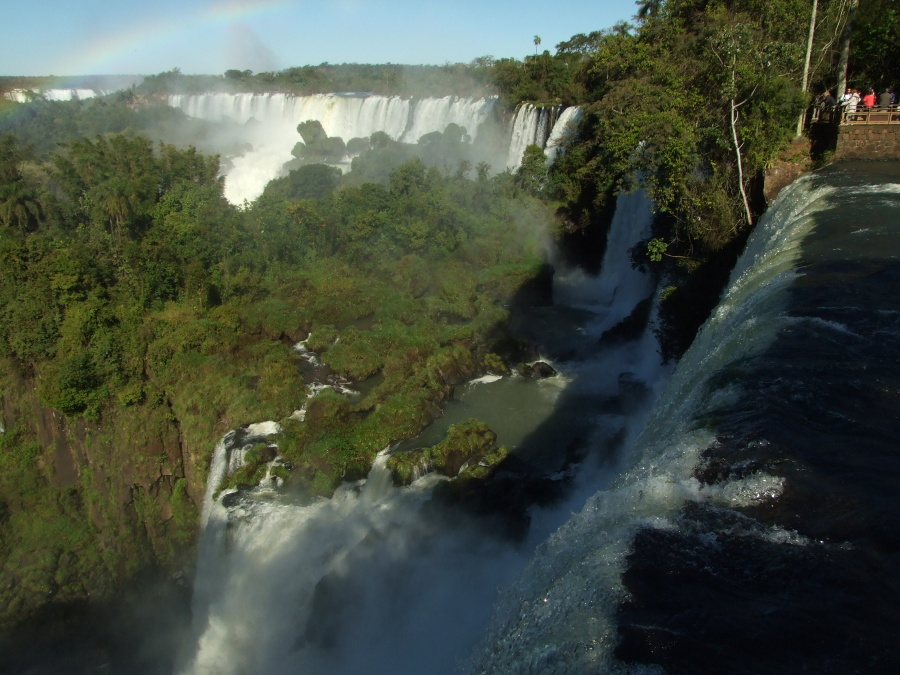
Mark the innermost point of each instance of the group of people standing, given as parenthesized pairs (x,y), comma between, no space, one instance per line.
(853,100)
(853,97)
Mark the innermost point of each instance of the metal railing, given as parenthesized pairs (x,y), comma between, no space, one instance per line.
(842,114)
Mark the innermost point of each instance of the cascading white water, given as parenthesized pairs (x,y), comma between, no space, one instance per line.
(345,116)
(365,581)
(563,129)
(559,617)
(24,96)
(531,126)
(541,126)
(613,293)
(270,125)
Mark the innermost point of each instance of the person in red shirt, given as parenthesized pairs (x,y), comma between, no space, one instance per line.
(869,99)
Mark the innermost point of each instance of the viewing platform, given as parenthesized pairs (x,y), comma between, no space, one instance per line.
(861,133)
(860,115)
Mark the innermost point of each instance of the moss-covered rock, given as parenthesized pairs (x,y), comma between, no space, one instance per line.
(469,449)
(354,355)
(494,364)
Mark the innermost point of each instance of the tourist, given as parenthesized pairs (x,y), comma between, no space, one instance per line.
(869,99)
(852,103)
(886,99)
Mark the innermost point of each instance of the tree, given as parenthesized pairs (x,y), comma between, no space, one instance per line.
(804,82)
(537,43)
(20,206)
(312,132)
(844,56)
(531,175)
(317,146)
(648,9)
(874,59)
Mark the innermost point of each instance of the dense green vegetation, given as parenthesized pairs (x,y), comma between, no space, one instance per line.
(136,300)
(468,452)
(694,103)
(142,316)
(404,80)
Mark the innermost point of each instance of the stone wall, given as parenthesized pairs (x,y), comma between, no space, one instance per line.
(868,141)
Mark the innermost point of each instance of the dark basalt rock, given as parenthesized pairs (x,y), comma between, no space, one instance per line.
(538,370)
(629,328)
(502,499)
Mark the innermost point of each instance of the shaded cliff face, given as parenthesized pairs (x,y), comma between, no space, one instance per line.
(93,504)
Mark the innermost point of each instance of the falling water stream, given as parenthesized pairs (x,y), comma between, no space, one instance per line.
(381,579)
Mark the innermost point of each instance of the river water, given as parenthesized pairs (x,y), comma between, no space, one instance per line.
(387,580)
(737,515)
(755,527)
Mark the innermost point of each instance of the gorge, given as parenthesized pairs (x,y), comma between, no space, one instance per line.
(729,482)
(513,366)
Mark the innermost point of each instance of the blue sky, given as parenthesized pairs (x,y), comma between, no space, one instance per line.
(96,37)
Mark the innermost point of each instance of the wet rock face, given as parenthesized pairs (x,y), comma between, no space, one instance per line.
(630,328)
(537,370)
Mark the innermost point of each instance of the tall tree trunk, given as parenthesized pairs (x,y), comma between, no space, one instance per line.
(845,50)
(737,144)
(809,45)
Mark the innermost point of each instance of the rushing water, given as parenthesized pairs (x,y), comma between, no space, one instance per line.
(383,579)
(24,95)
(747,523)
(756,527)
(268,124)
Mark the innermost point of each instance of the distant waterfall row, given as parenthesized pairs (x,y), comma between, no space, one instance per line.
(346,116)
(269,125)
(27,95)
(403,119)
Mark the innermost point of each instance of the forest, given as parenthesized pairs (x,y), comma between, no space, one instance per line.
(142,316)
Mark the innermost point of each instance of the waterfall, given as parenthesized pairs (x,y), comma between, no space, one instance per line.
(531,126)
(755,413)
(542,126)
(371,580)
(563,129)
(270,125)
(341,115)
(613,293)
(24,96)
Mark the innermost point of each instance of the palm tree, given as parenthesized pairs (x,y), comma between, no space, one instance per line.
(115,198)
(648,9)
(20,206)
(537,42)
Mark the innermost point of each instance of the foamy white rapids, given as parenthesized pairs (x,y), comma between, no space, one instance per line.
(222,464)
(486,379)
(560,616)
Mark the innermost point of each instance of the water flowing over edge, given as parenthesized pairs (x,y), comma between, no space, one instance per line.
(271,121)
(560,616)
(25,96)
(254,564)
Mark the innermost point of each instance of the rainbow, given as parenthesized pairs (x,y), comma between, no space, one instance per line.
(94,58)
